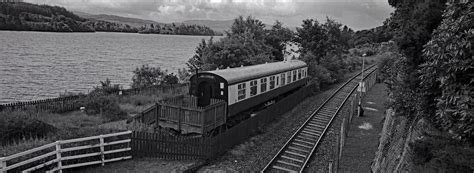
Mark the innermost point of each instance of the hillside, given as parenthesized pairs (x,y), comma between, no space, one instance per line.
(134,22)
(30,17)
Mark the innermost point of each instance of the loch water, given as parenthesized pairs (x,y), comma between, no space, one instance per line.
(38,65)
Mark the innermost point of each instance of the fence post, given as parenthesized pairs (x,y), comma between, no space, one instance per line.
(337,154)
(102,149)
(352,109)
(343,135)
(3,165)
(58,156)
(330,167)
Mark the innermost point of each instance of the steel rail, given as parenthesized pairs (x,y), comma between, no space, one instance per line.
(292,139)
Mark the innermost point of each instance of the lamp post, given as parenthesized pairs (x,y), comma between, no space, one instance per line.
(361,86)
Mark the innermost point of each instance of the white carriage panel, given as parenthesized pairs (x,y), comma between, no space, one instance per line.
(232,94)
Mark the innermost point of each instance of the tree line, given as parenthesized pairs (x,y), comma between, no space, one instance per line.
(324,46)
(430,78)
(32,17)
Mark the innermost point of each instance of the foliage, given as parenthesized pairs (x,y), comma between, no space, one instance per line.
(322,48)
(106,88)
(105,26)
(183,75)
(105,106)
(181,29)
(15,126)
(442,153)
(25,16)
(448,71)
(246,43)
(312,38)
(277,37)
(319,74)
(323,40)
(147,76)
(411,26)
(170,79)
(375,35)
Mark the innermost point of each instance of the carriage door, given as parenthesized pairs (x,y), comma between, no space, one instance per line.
(205,92)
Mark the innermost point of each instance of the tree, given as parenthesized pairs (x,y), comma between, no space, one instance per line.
(411,26)
(277,37)
(244,45)
(147,76)
(170,79)
(311,37)
(448,70)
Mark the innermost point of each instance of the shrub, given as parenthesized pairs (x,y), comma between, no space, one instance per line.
(15,126)
(170,79)
(106,88)
(147,76)
(105,106)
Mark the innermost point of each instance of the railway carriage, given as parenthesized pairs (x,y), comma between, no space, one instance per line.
(244,88)
(239,90)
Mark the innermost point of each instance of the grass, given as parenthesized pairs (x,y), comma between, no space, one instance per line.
(29,129)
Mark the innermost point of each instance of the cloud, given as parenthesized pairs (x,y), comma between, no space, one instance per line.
(355,13)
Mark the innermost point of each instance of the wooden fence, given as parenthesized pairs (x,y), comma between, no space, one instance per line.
(70,103)
(167,146)
(184,115)
(350,110)
(179,147)
(73,153)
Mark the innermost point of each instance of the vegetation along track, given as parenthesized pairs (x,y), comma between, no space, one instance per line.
(297,151)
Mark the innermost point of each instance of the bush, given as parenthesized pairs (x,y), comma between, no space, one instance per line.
(16,126)
(106,88)
(105,106)
(170,79)
(147,76)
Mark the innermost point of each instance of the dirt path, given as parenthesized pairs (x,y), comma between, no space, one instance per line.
(140,165)
(364,133)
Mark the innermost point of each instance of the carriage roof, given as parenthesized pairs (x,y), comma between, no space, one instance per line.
(239,74)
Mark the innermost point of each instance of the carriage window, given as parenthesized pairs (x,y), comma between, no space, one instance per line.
(294,75)
(272,82)
(299,74)
(289,77)
(283,77)
(263,85)
(253,88)
(277,80)
(222,85)
(241,91)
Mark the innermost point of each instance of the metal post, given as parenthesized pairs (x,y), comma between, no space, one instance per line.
(360,85)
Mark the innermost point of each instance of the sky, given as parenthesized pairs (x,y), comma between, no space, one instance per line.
(357,14)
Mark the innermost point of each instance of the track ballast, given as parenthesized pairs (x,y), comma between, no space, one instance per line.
(297,151)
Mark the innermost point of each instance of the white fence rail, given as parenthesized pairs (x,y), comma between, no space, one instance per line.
(71,153)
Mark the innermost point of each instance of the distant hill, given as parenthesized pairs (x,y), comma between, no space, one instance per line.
(134,22)
(145,26)
(216,25)
(32,17)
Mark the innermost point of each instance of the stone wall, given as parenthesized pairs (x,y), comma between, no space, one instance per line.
(396,154)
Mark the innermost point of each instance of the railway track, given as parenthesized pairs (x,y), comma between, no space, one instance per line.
(297,151)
